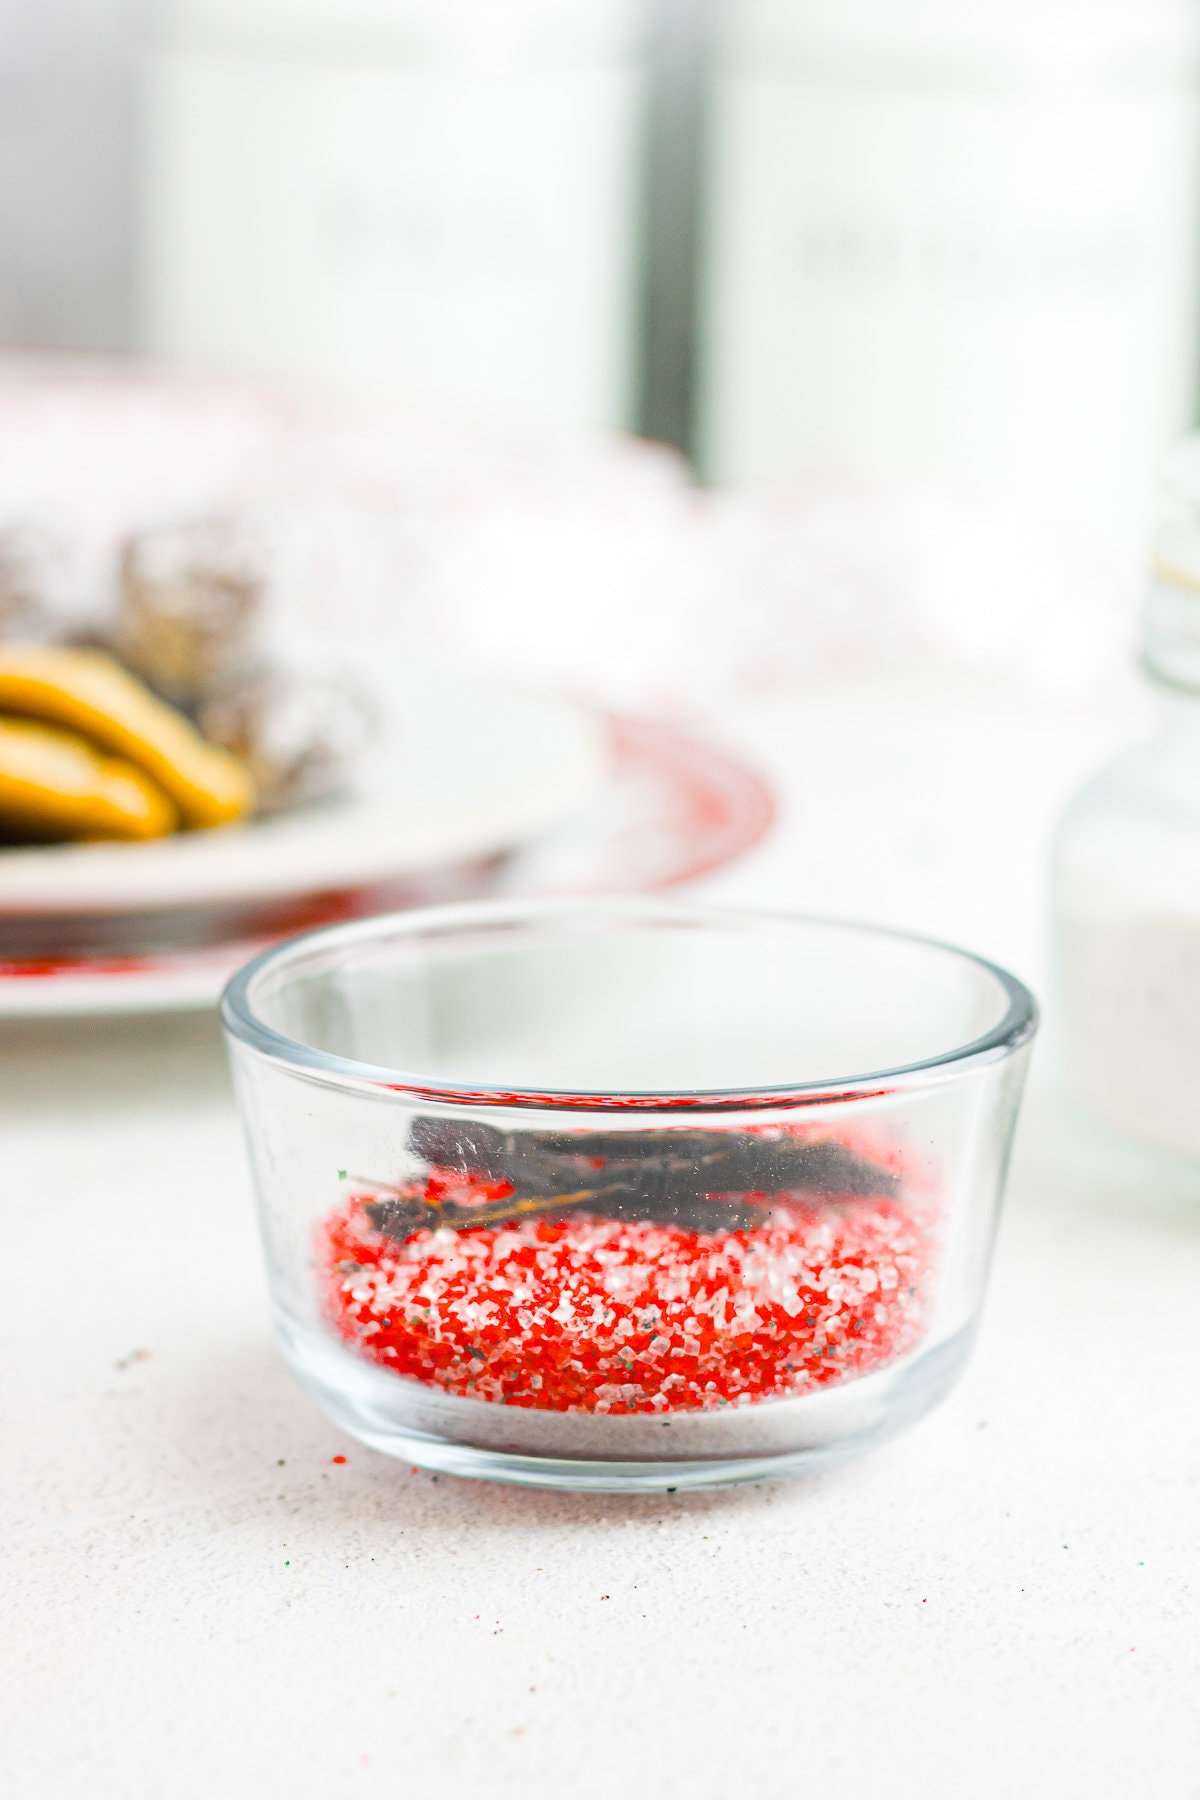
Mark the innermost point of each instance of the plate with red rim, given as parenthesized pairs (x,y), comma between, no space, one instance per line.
(468,769)
(668,808)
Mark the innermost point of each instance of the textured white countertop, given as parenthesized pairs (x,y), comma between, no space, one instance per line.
(197,1601)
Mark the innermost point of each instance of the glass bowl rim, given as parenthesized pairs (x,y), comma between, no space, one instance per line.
(1015,1029)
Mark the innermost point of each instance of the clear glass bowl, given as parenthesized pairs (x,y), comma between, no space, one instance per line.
(625,1194)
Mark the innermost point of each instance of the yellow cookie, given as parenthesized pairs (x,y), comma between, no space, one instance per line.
(90,693)
(53,784)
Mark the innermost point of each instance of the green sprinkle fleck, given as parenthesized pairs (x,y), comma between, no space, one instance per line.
(341,1174)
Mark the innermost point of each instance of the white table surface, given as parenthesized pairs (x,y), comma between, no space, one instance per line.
(198,1602)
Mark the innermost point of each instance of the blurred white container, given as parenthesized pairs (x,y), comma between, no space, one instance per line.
(1126,877)
(433,193)
(956,240)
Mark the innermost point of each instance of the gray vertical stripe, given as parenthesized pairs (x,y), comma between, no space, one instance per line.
(681,39)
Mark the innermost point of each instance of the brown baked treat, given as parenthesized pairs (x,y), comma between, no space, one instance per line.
(55,785)
(87,692)
(30,582)
(190,598)
(301,736)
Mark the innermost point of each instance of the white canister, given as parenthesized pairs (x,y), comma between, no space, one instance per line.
(433,193)
(956,240)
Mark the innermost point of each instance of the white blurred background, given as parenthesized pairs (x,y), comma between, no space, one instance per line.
(912,284)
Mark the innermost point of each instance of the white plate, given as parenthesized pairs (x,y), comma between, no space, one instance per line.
(182,981)
(470,770)
(671,809)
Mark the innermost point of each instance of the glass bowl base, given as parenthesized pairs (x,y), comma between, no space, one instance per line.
(650,1453)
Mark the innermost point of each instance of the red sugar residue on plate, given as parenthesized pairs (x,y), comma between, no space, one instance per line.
(585,1314)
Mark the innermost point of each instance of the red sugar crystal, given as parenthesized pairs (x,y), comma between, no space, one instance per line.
(581,1313)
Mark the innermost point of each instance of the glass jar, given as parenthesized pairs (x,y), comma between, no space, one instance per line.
(1126,882)
(625,1194)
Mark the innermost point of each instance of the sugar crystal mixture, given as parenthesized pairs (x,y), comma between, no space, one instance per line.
(584,1313)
